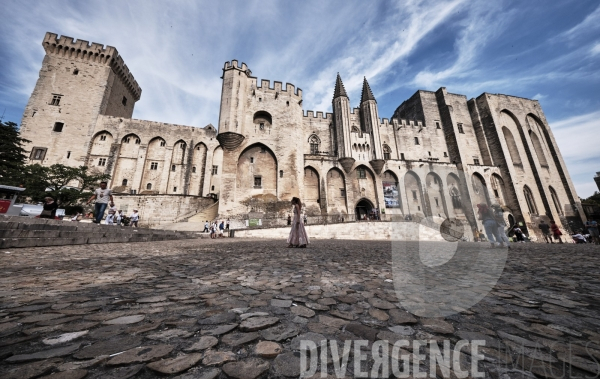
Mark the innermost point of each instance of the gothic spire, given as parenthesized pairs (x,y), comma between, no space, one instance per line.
(367,94)
(339,88)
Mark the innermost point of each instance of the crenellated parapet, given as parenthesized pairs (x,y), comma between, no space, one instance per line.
(319,115)
(278,89)
(84,51)
(234,65)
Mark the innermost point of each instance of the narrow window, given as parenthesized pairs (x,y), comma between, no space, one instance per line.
(182,146)
(212,188)
(257,182)
(445,154)
(429,152)
(386,155)
(137,141)
(287,103)
(361,173)
(342,192)
(174,189)
(33,114)
(68,154)
(496,193)
(215,170)
(260,99)
(58,127)
(402,156)
(416,140)
(154,166)
(149,186)
(102,162)
(437,204)
(194,169)
(281,173)
(173,168)
(162,143)
(414,194)
(437,125)
(124,182)
(460,128)
(38,153)
(55,100)
(124,101)
(263,150)
(251,159)
(476,161)
(262,126)
(103,137)
(75,72)
(126,140)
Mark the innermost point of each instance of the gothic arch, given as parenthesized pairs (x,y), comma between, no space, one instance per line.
(262,119)
(364,183)
(198,174)
(530,200)
(101,144)
(499,191)
(179,152)
(513,150)
(414,193)
(387,152)
(336,192)
(539,149)
(314,143)
(131,138)
(456,194)
(391,192)
(256,172)
(436,201)
(480,190)
(556,201)
(312,195)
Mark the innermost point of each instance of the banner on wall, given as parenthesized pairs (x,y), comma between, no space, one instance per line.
(391,195)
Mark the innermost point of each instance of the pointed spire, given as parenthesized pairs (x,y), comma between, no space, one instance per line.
(367,94)
(339,88)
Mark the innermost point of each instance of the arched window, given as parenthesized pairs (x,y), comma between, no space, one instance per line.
(556,201)
(263,120)
(530,200)
(539,150)
(387,152)
(124,183)
(512,146)
(314,142)
(149,186)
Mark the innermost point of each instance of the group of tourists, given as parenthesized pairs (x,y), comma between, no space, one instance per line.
(494,224)
(216,229)
(104,198)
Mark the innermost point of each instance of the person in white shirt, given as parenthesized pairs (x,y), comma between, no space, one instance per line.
(112,211)
(119,216)
(102,195)
(134,218)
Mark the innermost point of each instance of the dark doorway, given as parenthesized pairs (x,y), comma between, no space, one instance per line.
(363,209)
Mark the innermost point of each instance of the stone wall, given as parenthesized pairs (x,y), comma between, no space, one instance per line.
(155,210)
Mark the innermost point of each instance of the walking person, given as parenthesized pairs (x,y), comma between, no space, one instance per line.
(221,229)
(227,225)
(489,224)
(297,237)
(50,208)
(556,233)
(592,227)
(545,228)
(499,216)
(206,225)
(134,218)
(102,195)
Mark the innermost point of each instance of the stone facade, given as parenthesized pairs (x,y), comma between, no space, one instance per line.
(439,154)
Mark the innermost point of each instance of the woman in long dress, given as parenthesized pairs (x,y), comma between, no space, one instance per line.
(297,237)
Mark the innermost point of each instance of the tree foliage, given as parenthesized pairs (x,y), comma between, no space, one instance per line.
(12,155)
(595,198)
(66,184)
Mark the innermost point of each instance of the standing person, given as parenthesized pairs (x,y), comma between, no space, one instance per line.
(206,225)
(50,208)
(221,229)
(119,217)
(227,225)
(592,227)
(102,195)
(555,231)
(305,219)
(545,228)
(297,237)
(289,220)
(213,230)
(499,217)
(112,212)
(134,218)
(489,224)
(518,234)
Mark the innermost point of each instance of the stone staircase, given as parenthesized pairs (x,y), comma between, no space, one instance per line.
(209,214)
(16,231)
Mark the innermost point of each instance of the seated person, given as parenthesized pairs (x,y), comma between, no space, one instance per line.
(579,238)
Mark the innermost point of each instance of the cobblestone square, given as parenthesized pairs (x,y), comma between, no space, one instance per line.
(239,308)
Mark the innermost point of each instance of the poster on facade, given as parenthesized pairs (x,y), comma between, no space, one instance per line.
(391,195)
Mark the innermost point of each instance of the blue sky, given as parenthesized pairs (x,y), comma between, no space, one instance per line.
(547,50)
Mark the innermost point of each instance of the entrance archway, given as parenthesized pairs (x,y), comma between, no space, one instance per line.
(363,209)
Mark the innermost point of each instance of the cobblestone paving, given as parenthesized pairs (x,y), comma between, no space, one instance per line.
(239,309)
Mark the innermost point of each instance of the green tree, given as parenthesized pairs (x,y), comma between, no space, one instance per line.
(12,155)
(66,184)
(595,198)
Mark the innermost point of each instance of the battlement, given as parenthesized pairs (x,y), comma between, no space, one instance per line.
(265,86)
(234,65)
(82,50)
(318,114)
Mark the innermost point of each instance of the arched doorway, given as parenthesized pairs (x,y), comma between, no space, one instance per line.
(363,209)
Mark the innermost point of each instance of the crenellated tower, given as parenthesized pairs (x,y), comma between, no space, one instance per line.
(78,82)
(341,117)
(370,124)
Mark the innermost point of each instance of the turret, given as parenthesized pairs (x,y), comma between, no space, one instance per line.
(231,117)
(341,119)
(370,124)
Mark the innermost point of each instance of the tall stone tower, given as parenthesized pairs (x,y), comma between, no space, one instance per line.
(233,104)
(341,113)
(370,124)
(77,82)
